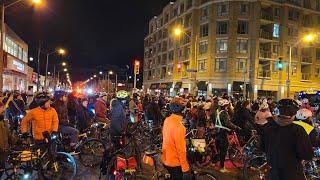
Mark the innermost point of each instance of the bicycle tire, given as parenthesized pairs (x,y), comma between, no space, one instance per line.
(235,157)
(255,163)
(66,164)
(92,149)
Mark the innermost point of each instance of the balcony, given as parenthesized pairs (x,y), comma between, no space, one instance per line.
(306,59)
(264,74)
(265,54)
(305,76)
(266,16)
(265,34)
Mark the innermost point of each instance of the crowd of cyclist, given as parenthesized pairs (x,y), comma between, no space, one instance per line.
(286,128)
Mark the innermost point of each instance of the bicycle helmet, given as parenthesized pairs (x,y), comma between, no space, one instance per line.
(288,107)
(177,104)
(122,94)
(305,101)
(42,98)
(223,102)
(263,106)
(303,114)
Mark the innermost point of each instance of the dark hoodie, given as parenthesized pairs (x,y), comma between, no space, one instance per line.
(118,119)
(286,145)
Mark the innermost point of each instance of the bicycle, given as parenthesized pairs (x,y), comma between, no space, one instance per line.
(42,157)
(123,161)
(162,174)
(236,152)
(90,150)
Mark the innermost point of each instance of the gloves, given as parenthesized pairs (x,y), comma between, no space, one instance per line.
(187,175)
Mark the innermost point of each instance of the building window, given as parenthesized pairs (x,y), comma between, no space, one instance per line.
(186,52)
(294,69)
(221,65)
(318,54)
(204,13)
(277,12)
(204,30)
(242,46)
(317,72)
(204,1)
(221,45)
(275,67)
(222,27)
(241,64)
(244,8)
(166,18)
(202,65)
(276,30)
(293,15)
(188,4)
(292,31)
(187,21)
(242,27)
(318,5)
(174,13)
(223,9)
(275,49)
(181,8)
(203,47)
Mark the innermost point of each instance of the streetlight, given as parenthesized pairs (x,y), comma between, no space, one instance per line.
(178,31)
(100,72)
(30,59)
(94,76)
(3,6)
(64,63)
(61,52)
(49,73)
(65,69)
(308,38)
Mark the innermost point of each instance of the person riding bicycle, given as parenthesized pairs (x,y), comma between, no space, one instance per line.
(224,125)
(101,108)
(303,119)
(60,106)
(119,121)
(44,118)
(174,151)
(285,143)
(16,110)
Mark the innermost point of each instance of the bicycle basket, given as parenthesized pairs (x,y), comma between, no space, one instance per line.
(121,163)
(199,144)
(132,163)
(27,155)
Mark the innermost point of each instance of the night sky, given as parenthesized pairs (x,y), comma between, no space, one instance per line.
(96,33)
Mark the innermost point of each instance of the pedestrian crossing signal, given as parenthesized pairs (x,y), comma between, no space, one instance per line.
(136,67)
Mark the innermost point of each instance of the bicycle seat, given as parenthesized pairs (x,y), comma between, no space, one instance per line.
(151,152)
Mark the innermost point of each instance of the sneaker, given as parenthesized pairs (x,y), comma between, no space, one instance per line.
(224,170)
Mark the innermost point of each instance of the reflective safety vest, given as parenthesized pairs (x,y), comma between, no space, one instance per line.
(307,127)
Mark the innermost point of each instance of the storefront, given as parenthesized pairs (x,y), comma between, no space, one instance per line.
(15,74)
(154,87)
(202,87)
(165,87)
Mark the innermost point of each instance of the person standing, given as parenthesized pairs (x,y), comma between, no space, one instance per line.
(4,139)
(286,144)
(101,108)
(174,151)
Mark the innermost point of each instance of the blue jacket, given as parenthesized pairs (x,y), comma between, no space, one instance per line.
(118,119)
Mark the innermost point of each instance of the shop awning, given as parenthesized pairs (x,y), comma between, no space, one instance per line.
(166,85)
(178,85)
(155,86)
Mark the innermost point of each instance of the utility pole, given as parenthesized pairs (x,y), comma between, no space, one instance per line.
(2,46)
(38,69)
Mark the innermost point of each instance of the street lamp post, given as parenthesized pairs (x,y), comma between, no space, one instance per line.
(3,7)
(61,52)
(307,38)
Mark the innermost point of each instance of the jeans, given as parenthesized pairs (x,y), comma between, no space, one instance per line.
(73,132)
(175,172)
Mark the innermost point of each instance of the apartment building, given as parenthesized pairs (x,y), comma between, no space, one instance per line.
(232,46)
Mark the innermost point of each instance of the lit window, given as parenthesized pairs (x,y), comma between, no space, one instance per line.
(202,65)
(276,30)
(221,65)
(221,45)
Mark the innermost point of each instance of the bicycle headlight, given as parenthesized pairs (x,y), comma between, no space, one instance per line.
(21,116)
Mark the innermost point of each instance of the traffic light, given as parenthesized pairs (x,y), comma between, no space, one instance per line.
(280,64)
(136,66)
(179,66)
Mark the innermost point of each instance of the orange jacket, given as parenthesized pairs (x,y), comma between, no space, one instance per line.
(174,150)
(42,120)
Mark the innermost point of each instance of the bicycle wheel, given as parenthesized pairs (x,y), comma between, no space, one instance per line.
(203,176)
(235,156)
(254,167)
(91,152)
(63,167)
